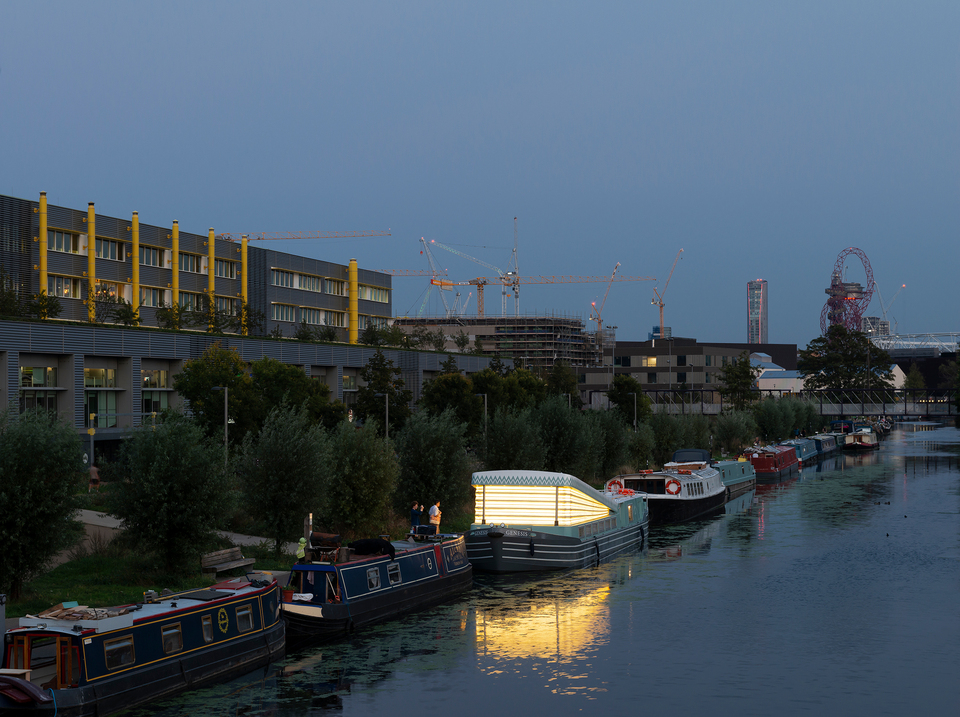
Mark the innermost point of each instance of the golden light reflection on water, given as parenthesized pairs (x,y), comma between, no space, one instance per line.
(556,638)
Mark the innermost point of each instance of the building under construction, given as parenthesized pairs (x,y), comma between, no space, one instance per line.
(537,341)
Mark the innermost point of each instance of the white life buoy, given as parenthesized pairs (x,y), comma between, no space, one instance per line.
(673,486)
(614,486)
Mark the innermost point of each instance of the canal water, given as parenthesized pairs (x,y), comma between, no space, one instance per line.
(835,593)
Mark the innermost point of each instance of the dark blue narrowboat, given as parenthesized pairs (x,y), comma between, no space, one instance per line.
(826,443)
(77,660)
(805,448)
(337,590)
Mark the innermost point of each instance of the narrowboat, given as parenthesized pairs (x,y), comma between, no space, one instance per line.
(862,440)
(680,492)
(772,463)
(738,477)
(538,520)
(73,660)
(826,443)
(805,448)
(337,590)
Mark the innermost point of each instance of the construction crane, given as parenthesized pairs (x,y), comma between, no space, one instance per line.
(505,278)
(267,236)
(412,272)
(434,277)
(883,309)
(482,281)
(603,303)
(658,298)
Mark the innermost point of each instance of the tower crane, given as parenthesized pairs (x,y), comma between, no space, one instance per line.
(885,309)
(508,278)
(658,299)
(435,273)
(266,236)
(603,303)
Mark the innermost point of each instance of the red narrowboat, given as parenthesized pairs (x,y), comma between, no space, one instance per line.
(772,463)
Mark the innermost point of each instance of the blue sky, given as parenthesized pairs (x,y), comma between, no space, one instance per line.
(762,138)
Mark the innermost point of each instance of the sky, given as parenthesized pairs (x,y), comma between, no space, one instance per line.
(762,138)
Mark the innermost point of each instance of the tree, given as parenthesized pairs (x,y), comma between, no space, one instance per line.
(247,317)
(211,318)
(171,317)
(273,382)
(304,332)
(477,346)
(433,462)
(217,366)
(462,340)
(327,333)
(357,490)
(41,472)
(733,431)
(774,420)
(126,314)
(562,381)
(9,296)
(914,378)
(564,438)
(371,336)
(622,394)
(666,437)
(452,392)
(43,306)
(395,336)
(174,496)
(381,377)
(522,389)
(614,443)
(281,469)
(437,339)
(513,442)
(105,304)
(844,359)
(738,382)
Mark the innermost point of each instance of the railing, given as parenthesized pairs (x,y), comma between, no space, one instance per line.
(934,403)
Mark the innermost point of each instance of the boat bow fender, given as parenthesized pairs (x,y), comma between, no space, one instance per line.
(22,692)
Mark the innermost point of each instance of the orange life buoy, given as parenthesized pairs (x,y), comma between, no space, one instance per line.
(626,491)
(683,472)
(615,486)
(673,486)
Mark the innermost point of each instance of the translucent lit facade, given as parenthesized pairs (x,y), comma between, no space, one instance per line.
(757,312)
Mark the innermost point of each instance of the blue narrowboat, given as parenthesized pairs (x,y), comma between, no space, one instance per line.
(75,660)
(805,448)
(337,591)
(826,443)
(738,477)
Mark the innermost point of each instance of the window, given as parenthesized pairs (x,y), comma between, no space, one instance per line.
(681,360)
(189,301)
(190,263)
(621,361)
(336,287)
(108,290)
(283,312)
(349,383)
(150,297)
(38,376)
(62,241)
(651,377)
(311,283)
(311,316)
(172,638)
(225,269)
(151,256)
(374,293)
(63,287)
(227,305)
(708,359)
(708,378)
(99,377)
(681,377)
(723,360)
(281,278)
(154,401)
(207,622)
(109,249)
(650,361)
(630,513)
(373,578)
(393,573)
(245,618)
(379,321)
(104,405)
(334,318)
(119,652)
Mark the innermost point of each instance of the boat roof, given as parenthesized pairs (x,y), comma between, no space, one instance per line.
(541,478)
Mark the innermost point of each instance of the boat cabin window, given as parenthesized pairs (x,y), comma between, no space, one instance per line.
(630,513)
(393,572)
(245,618)
(119,653)
(172,638)
(207,622)
(373,578)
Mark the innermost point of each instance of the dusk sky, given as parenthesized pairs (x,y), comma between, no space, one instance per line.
(762,138)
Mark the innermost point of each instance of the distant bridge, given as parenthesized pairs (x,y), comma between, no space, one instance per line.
(906,402)
(946,342)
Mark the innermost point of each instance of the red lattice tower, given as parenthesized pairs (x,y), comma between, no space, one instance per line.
(847,300)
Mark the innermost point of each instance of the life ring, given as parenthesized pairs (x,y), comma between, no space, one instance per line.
(673,486)
(626,491)
(615,486)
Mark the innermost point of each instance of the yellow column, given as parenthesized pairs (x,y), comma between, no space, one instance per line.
(175,264)
(243,275)
(354,302)
(43,243)
(135,237)
(211,274)
(91,262)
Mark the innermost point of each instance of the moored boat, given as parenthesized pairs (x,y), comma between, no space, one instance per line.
(805,448)
(74,660)
(862,440)
(772,463)
(339,590)
(537,520)
(826,443)
(679,492)
(738,477)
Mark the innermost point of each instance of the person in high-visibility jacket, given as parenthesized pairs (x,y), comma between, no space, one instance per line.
(302,551)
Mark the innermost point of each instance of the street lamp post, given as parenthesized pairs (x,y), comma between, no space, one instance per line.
(634,394)
(484,416)
(226,449)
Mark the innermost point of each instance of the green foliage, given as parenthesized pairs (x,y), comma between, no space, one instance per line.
(513,442)
(327,333)
(623,393)
(562,432)
(693,431)
(666,437)
(562,381)
(522,389)
(844,359)
(276,332)
(774,420)
(453,392)
(640,447)
(477,346)
(433,462)
(175,493)
(437,339)
(247,318)
(370,336)
(381,376)
(491,383)
(614,442)
(40,473)
(126,315)
(450,365)
(914,378)
(281,469)
(357,490)
(462,340)
(395,336)
(272,383)
(738,382)
(217,366)
(304,332)
(44,306)
(733,431)
(9,296)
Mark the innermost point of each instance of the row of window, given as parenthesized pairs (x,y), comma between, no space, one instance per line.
(309,282)
(314,317)
(46,376)
(120,652)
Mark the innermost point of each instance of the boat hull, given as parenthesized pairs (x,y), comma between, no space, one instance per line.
(674,509)
(505,550)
